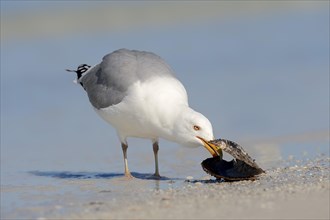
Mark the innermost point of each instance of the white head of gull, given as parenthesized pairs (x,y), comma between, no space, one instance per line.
(139,95)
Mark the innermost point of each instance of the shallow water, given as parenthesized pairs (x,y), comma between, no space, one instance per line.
(263,81)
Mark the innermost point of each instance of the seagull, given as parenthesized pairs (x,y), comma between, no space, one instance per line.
(139,95)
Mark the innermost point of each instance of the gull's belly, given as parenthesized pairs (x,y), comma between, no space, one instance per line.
(132,124)
(148,110)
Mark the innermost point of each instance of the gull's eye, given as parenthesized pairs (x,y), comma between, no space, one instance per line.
(197,128)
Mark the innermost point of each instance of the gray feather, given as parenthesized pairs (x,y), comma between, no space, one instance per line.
(108,82)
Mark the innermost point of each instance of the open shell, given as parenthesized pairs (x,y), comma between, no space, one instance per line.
(243,167)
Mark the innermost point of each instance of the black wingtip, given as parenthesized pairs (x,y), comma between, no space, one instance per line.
(80,70)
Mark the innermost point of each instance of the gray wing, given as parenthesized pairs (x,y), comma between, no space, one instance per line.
(108,82)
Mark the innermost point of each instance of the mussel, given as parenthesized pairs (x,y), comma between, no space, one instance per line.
(242,167)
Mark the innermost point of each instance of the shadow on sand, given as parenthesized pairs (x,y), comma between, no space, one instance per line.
(94,175)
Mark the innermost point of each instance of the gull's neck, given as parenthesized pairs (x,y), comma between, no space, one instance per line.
(170,129)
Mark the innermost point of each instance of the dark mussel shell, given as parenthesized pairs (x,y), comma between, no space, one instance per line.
(230,170)
(242,167)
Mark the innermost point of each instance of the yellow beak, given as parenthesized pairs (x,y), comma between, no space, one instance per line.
(214,150)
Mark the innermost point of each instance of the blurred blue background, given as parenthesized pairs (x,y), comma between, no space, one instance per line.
(258,70)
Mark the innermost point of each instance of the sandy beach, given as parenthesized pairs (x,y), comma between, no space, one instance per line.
(299,191)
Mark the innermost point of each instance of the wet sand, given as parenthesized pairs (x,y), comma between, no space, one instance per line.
(297,190)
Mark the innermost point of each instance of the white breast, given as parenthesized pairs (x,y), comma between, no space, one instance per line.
(149,110)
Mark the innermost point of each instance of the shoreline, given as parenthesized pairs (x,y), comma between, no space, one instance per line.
(300,191)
